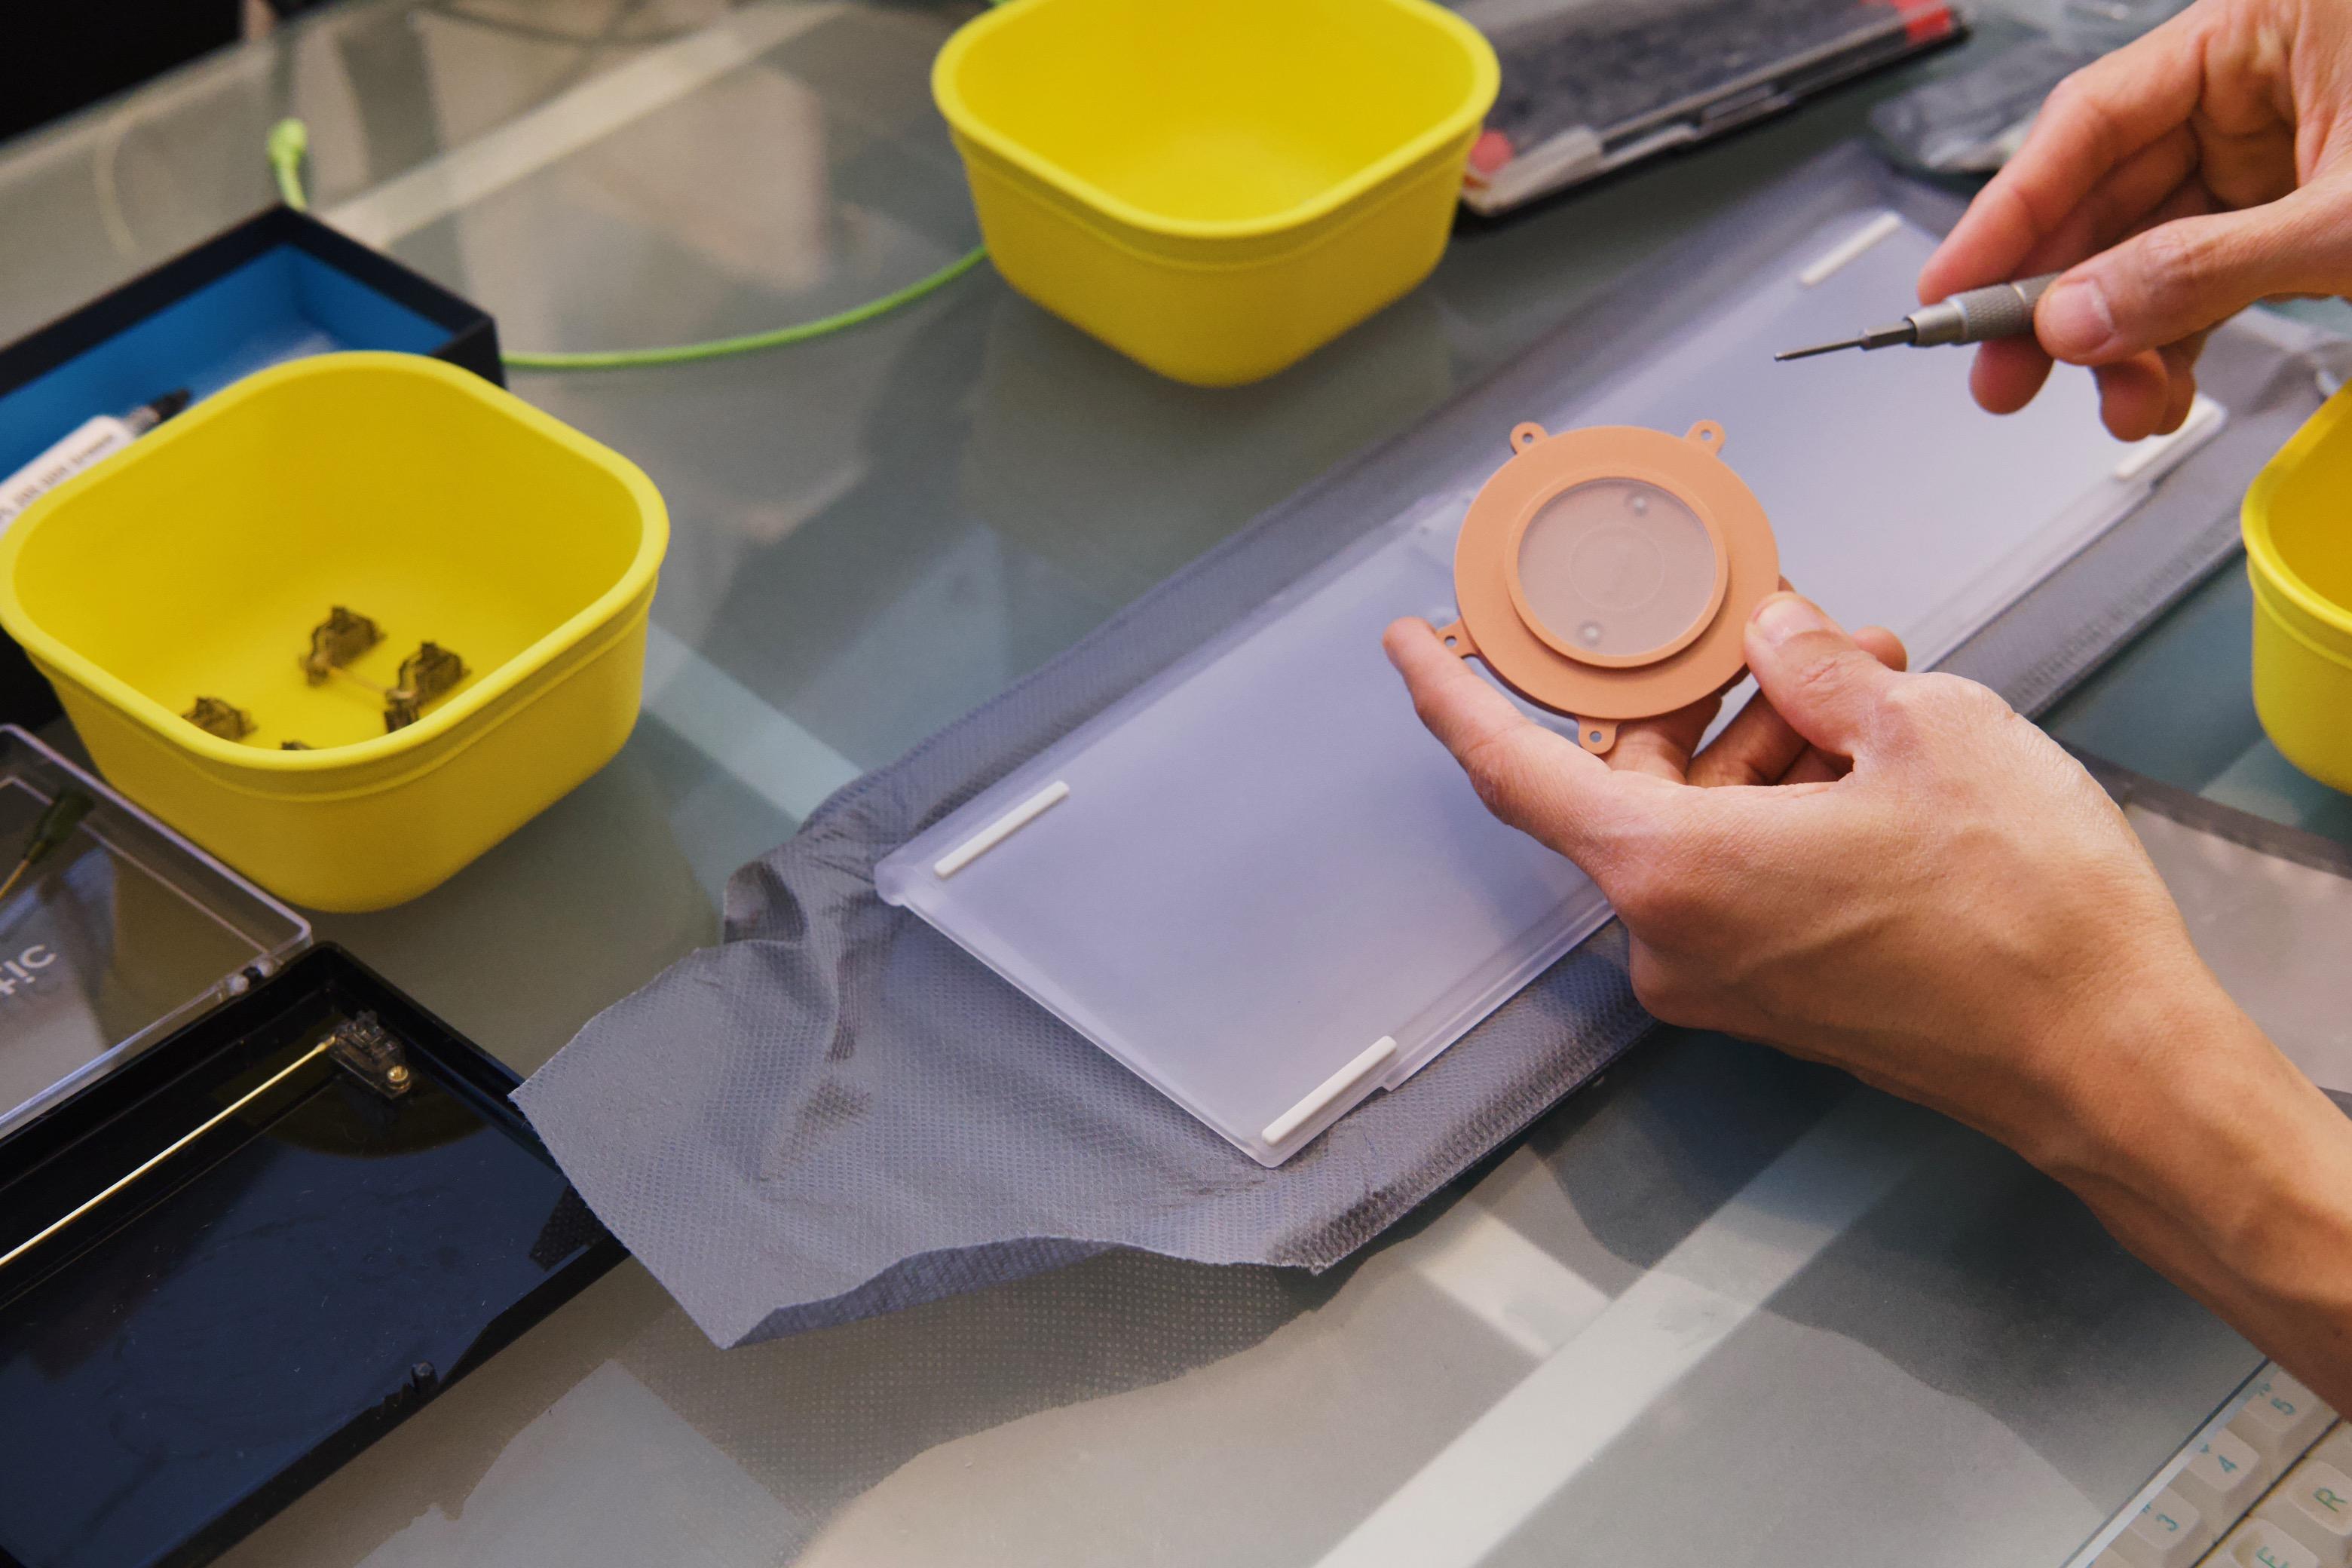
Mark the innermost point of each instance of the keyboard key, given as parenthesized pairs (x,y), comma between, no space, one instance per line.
(2281,1418)
(2225,1477)
(2168,1533)
(2313,1504)
(2335,1447)
(2259,1544)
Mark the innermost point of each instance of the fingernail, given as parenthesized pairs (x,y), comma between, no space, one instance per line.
(1785,616)
(2073,320)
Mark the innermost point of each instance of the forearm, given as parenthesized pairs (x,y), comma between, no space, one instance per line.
(2215,1160)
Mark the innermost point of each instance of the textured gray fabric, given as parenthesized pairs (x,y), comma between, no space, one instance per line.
(838,1112)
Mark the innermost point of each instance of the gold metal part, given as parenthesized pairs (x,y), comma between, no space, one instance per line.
(216,716)
(431,672)
(341,637)
(174,1147)
(372,1054)
(362,1046)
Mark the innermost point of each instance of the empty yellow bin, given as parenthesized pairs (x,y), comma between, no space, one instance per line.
(196,562)
(2297,521)
(1215,187)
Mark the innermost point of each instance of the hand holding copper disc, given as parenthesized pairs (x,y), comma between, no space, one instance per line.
(1607,573)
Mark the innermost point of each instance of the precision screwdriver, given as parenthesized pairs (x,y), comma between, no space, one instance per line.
(55,827)
(1999,310)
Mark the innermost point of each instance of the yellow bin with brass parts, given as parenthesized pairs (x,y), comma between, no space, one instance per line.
(196,562)
(1215,187)
(2297,521)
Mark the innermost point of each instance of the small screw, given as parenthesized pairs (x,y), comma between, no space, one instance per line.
(397,1073)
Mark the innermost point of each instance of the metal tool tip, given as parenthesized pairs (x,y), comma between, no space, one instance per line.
(1817,349)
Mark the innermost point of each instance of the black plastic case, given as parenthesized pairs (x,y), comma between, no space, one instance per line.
(208,1339)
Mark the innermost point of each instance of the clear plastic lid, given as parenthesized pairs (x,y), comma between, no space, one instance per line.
(112,937)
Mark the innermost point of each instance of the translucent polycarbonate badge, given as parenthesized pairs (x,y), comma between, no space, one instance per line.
(1618,572)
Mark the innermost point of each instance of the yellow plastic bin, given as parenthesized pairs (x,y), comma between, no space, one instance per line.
(196,563)
(1215,187)
(2298,529)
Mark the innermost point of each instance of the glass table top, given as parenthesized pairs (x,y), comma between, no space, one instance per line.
(1721,1306)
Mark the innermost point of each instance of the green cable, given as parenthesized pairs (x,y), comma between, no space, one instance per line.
(290,140)
(775,338)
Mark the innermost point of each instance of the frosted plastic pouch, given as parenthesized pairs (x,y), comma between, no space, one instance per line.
(1257,882)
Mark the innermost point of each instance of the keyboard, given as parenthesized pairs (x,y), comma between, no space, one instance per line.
(2268,1486)
(1593,84)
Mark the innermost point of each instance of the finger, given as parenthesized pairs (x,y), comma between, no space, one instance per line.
(1821,681)
(1884,646)
(1755,748)
(2094,123)
(2154,397)
(2149,183)
(2183,277)
(2007,373)
(1818,766)
(1662,746)
(2192,198)
(1541,783)
(2134,395)
(1758,747)
(2149,394)
(2180,367)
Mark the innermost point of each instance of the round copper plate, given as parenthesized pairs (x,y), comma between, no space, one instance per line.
(1609,574)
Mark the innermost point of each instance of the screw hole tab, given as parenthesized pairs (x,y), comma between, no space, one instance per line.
(1707,434)
(1526,436)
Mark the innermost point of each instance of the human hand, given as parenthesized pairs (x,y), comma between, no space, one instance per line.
(1893,873)
(2192,171)
(1897,874)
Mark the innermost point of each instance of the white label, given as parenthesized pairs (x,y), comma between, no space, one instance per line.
(94,438)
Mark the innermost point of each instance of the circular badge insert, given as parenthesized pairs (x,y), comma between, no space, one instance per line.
(1606,574)
(1617,572)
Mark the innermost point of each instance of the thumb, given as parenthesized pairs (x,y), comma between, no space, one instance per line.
(2180,277)
(1821,680)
